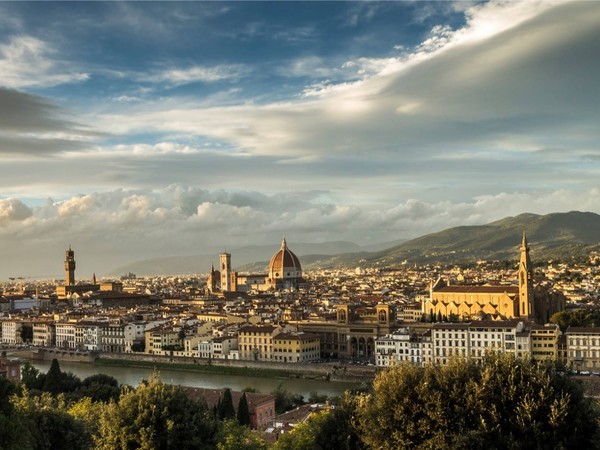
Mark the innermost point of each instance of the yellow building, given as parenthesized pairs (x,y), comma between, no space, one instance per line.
(160,337)
(296,347)
(255,342)
(544,342)
(524,301)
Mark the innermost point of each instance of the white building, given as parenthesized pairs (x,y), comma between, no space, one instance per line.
(404,345)
(65,335)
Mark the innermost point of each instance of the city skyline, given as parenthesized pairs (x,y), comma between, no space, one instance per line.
(137,130)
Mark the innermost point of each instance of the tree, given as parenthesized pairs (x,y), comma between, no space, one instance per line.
(225,409)
(233,436)
(243,411)
(155,416)
(504,402)
(333,429)
(48,425)
(31,378)
(284,400)
(100,388)
(53,379)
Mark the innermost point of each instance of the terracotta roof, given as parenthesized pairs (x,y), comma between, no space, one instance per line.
(283,260)
(583,330)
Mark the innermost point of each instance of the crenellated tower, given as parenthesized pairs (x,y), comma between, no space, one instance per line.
(69,267)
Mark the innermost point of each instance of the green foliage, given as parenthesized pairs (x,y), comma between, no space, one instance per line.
(31,378)
(46,424)
(326,430)
(284,400)
(243,411)
(502,403)
(9,423)
(155,416)
(225,409)
(576,318)
(233,436)
(99,388)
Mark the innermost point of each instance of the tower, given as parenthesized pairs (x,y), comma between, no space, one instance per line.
(526,304)
(69,267)
(225,259)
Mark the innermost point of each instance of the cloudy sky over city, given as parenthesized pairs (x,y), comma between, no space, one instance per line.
(145,129)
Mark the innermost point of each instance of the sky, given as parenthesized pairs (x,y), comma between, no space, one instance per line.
(146,129)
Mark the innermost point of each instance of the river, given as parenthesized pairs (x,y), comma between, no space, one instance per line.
(133,375)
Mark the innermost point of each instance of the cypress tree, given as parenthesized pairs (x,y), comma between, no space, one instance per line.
(225,408)
(53,382)
(243,412)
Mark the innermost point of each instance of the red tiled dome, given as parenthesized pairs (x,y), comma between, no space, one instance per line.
(285,264)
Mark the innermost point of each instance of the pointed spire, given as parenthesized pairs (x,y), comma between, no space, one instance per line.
(283,244)
(524,242)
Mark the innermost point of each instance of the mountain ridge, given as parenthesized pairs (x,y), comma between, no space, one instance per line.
(551,236)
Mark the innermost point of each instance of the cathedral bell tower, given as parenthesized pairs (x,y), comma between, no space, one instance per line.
(225,260)
(69,267)
(526,303)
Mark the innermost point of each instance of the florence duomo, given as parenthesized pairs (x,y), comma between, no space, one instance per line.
(284,273)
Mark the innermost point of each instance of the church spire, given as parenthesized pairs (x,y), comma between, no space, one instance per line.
(283,244)
(526,303)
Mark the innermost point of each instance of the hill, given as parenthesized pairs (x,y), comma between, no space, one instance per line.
(552,236)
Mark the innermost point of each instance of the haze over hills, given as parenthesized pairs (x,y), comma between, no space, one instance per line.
(247,258)
(551,236)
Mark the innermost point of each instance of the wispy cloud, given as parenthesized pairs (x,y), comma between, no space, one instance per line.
(26,61)
(203,74)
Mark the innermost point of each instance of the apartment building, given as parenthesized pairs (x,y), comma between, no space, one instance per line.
(65,335)
(296,347)
(583,348)
(43,334)
(256,342)
(405,345)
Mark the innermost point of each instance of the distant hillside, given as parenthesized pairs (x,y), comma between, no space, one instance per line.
(550,236)
(240,258)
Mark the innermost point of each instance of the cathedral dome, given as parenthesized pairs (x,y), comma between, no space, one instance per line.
(284,264)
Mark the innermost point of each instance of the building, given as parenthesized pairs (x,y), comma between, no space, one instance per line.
(10,368)
(261,406)
(255,342)
(353,331)
(65,335)
(285,272)
(296,347)
(473,340)
(404,345)
(524,301)
(70,287)
(43,334)
(583,348)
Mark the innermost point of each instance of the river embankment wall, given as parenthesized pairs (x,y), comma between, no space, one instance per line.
(329,371)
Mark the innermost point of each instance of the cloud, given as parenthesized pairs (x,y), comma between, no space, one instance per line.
(31,125)
(195,74)
(26,61)
(118,226)
(13,210)
(493,81)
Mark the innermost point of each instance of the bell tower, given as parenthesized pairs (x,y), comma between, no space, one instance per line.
(225,260)
(526,304)
(69,267)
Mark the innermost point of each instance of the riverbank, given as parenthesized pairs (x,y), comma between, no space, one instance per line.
(319,371)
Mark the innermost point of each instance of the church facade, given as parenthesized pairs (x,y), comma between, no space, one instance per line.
(524,301)
(285,272)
